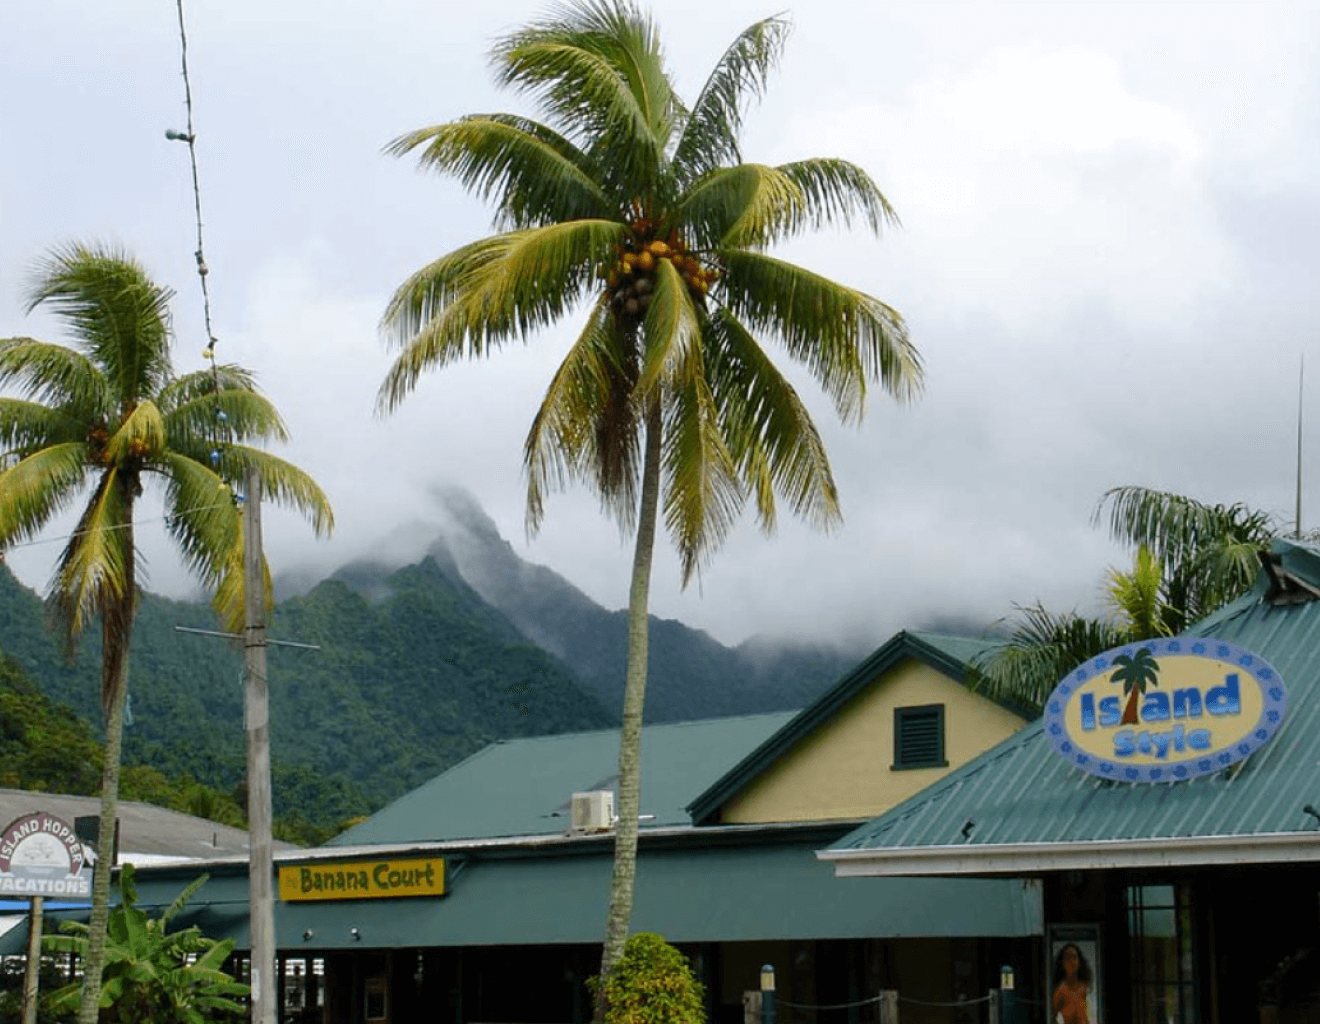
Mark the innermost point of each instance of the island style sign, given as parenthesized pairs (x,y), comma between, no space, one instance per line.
(1165,710)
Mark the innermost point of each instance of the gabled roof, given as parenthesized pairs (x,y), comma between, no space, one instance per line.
(1020,807)
(524,787)
(947,654)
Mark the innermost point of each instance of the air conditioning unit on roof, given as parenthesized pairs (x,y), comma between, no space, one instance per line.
(592,812)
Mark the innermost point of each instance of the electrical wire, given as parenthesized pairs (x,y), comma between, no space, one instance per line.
(228,503)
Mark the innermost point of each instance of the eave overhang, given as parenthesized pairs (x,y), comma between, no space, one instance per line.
(1092,855)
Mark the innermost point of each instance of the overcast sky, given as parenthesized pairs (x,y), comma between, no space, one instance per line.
(1108,260)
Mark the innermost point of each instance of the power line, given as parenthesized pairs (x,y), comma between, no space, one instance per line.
(118,526)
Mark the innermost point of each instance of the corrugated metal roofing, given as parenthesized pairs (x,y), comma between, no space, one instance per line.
(524,787)
(689,891)
(1022,792)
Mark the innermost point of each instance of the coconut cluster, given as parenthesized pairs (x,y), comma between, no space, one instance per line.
(632,280)
(98,437)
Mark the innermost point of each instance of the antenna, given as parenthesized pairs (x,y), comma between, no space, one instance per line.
(1297,521)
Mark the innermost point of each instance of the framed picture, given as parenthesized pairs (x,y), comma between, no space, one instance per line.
(1075,974)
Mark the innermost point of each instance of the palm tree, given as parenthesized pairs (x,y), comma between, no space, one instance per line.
(1042,648)
(101,419)
(1191,559)
(627,201)
(1208,553)
(1135,672)
(1045,646)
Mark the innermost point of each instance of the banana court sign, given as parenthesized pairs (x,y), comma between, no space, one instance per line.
(1165,710)
(41,856)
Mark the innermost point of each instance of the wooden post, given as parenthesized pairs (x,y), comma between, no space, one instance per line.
(32,975)
(994,1006)
(889,1006)
(261,910)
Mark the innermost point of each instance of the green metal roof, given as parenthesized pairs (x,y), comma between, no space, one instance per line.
(1019,803)
(524,787)
(947,654)
(699,886)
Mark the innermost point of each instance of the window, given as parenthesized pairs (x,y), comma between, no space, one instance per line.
(1163,975)
(919,737)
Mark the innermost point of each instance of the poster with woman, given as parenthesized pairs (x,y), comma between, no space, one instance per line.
(1074,974)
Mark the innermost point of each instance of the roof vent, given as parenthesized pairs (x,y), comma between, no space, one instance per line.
(592,812)
(1285,587)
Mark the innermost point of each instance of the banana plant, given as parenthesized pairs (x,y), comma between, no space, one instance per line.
(152,974)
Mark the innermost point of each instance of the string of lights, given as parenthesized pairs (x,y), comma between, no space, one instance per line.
(190,137)
(203,271)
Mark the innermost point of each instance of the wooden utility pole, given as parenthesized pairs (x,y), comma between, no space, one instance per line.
(261,911)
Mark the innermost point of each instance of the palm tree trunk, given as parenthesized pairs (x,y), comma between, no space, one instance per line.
(116,632)
(634,695)
(1130,708)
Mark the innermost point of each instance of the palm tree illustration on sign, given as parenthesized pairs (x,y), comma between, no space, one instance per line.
(1135,672)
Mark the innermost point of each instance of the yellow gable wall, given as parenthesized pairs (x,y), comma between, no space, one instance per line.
(843,768)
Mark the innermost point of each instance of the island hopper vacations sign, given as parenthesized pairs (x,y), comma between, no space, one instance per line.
(1165,710)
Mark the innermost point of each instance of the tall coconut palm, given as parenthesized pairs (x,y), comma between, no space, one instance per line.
(99,420)
(627,202)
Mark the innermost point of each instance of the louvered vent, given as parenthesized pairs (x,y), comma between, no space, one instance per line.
(919,737)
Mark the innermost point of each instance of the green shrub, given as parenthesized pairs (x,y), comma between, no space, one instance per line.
(653,983)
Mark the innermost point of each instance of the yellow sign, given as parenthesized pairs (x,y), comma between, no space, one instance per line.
(363,879)
(1165,710)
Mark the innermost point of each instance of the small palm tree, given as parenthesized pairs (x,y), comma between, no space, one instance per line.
(1208,553)
(100,420)
(630,202)
(1135,672)
(1191,559)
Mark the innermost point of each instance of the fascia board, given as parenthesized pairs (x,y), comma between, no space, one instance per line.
(1031,858)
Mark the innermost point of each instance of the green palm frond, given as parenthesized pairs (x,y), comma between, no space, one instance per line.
(1175,527)
(196,427)
(93,570)
(143,426)
(836,192)
(492,291)
(116,312)
(846,338)
(741,207)
(56,376)
(1043,648)
(200,513)
(597,73)
(1136,595)
(27,427)
(37,486)
(702,492)
(587,425)
(672,333)
(710,134)
(532,175)
(769,432)
(281,482)
(196,386)
(1208,552)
